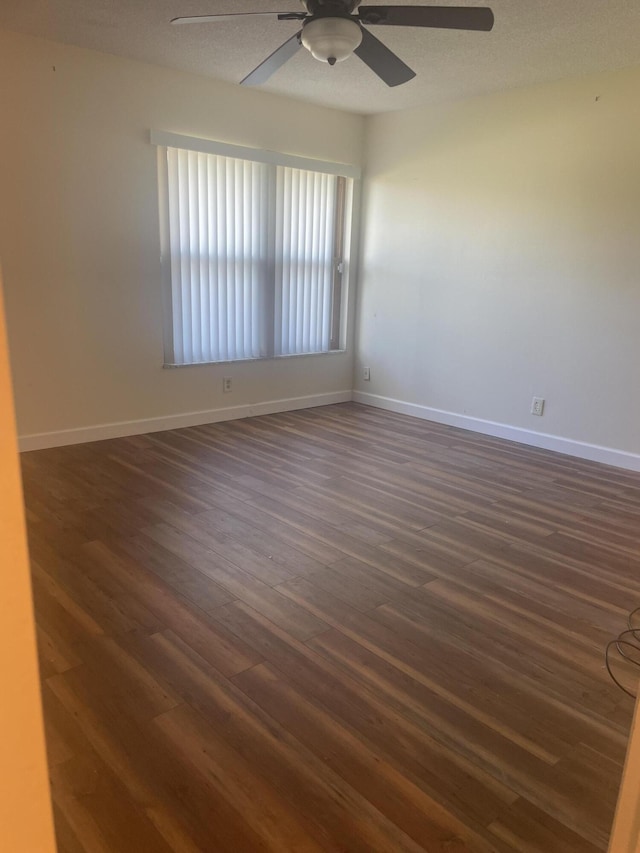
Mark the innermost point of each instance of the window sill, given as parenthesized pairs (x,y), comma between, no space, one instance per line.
(169,366)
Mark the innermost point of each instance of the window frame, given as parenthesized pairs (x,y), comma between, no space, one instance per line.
(346,234)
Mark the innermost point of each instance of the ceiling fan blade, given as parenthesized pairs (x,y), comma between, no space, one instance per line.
(382,61)
(205,19)
(273,62)
(442,17)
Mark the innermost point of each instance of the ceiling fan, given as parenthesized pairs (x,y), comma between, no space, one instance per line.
(332,30)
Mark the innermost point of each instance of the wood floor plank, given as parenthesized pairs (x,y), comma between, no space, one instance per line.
(241,584)
(419,621)
(194,585)
(275,755)
(155,777)
(524,827)
(393,793)
(288,510)
(206,530)
(334,688)
(97,806)
(223,769)
(191,623)
(338,629)
(66,839)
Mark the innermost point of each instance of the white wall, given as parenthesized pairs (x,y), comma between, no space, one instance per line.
(501,259)
(79,233)
(501,251)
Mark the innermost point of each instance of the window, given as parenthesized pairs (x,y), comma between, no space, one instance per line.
(255,250)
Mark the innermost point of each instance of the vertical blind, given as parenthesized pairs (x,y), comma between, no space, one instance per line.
(252,257)
(305,232)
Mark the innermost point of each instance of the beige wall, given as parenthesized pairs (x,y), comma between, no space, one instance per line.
(79,232)
(501,259)
(25,812)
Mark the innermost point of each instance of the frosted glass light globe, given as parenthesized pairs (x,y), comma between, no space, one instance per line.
(331,39)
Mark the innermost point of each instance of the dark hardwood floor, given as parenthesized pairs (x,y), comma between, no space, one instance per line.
(338,629)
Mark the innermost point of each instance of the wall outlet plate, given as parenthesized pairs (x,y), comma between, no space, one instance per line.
(537,406)
(226,385)
(366,373)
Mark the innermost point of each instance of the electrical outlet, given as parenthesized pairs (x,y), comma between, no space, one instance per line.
(537,406)
(226,385)
(366,373)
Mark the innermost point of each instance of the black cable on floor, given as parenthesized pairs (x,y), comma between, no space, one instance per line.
(627,640)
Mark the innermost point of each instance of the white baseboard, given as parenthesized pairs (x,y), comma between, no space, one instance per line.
(580,449)
(42,440)
(592,452)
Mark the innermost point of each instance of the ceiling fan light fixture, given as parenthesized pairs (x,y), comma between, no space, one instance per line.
(331,39)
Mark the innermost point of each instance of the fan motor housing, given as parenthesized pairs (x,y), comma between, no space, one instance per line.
(330,8)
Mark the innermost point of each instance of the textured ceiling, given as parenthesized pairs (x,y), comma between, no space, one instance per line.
(533,41)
